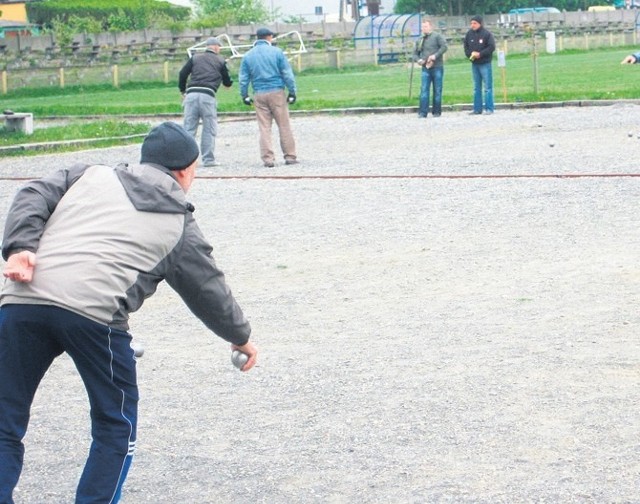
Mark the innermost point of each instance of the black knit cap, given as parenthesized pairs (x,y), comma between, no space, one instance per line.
(477,19)
(169,145)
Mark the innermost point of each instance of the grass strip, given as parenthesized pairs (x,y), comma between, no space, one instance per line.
(72,137)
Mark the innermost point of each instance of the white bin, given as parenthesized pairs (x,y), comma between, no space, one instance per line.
(550,37)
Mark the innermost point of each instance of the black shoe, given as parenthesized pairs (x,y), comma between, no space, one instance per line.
(422,116)
(291,161)
(475,113)
(436,115)
(269,164)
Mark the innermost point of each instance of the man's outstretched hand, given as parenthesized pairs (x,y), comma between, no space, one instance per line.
(19,267)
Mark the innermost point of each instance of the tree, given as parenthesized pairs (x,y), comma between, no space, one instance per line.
(469,7)
(222,12)
(433,7)
(132,14)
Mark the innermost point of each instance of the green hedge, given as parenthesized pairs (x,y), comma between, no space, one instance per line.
(43,13)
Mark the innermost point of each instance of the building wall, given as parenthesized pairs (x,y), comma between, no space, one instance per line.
(330,9)
(307,8)
(15,11)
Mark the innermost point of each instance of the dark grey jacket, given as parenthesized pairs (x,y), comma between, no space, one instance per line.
(207,70)
(425,46)
(105,237)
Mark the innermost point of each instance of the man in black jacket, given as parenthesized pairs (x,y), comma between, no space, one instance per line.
(208,70)
(479,46)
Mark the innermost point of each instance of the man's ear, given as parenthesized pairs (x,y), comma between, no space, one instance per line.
(185,177)
(179,175)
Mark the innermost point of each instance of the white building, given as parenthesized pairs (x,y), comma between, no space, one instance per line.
(313,10)
(319,10)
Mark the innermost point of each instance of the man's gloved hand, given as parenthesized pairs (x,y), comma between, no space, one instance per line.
(291,99)
(247,100)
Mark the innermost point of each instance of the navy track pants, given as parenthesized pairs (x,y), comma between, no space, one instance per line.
(31,337)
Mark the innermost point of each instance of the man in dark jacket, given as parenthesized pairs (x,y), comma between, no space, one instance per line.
(208,70)
(479,46)
(84,248)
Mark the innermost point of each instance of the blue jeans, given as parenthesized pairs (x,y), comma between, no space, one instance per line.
(31,337)
(431,77)
(482,74)
(198,106)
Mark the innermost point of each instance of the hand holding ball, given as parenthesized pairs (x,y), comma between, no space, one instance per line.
(244,356)
(239,359)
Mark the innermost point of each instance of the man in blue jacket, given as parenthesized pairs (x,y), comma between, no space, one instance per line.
(479,46)
(84,248)
(266,68)
(631,59)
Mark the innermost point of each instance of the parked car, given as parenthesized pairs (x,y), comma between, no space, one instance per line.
(526,10)
(627,4)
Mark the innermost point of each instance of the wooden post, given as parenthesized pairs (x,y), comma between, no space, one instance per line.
(4,82)
(166,72)
(535,63)
(116,80)
(61,76)
(502,63)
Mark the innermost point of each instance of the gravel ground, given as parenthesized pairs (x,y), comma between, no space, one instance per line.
(447,325)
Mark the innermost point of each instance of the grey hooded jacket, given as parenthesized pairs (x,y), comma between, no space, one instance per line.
(105,237)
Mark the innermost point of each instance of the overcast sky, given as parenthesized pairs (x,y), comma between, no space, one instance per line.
(306,8)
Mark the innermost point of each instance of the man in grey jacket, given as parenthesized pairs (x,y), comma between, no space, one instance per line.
(428,53)
(85,247)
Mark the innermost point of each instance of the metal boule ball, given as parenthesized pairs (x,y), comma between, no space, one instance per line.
(138,349)
(239,359)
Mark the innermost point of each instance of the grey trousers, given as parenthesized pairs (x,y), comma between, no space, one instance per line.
(269,107)
(197,106)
